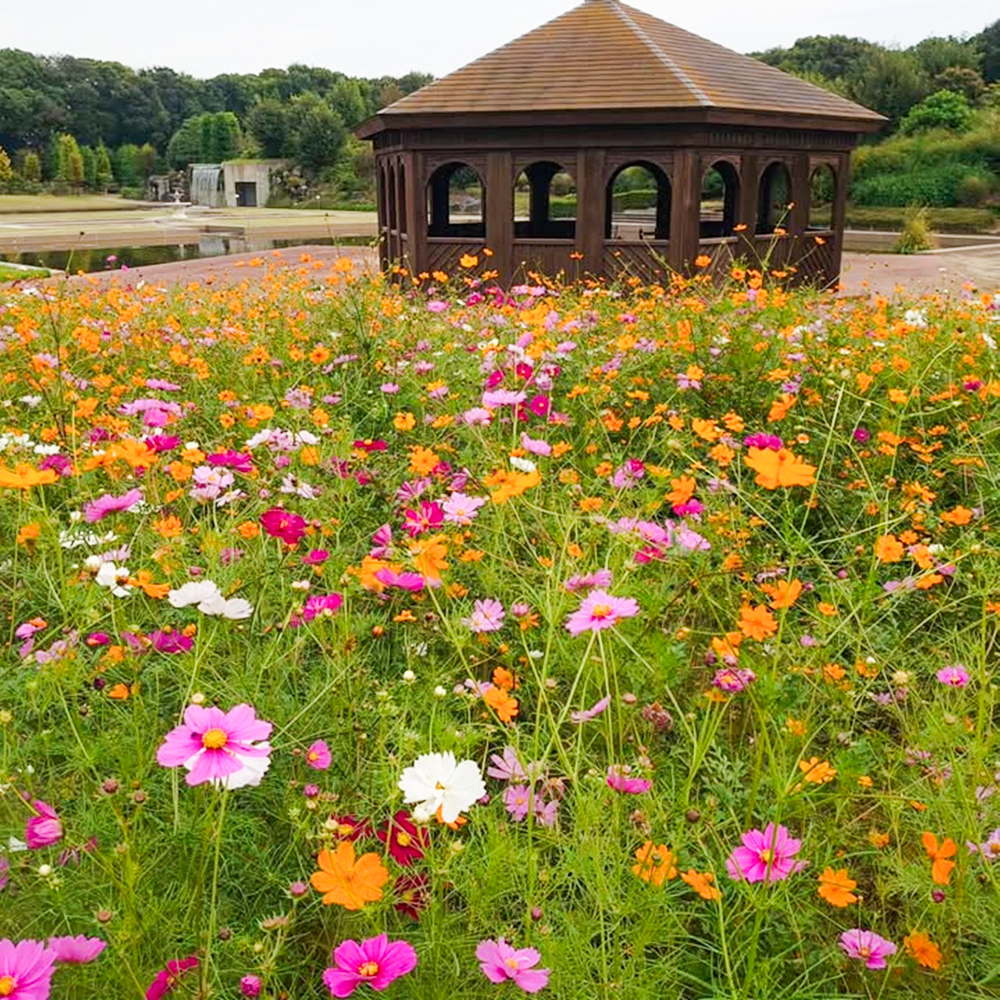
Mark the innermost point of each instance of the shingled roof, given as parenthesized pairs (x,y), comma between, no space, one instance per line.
(606,56)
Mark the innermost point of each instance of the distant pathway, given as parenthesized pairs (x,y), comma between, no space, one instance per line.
(863,273)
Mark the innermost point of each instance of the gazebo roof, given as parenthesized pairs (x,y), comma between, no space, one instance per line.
(604,56)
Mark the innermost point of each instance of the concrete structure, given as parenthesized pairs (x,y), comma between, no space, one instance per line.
(247,183)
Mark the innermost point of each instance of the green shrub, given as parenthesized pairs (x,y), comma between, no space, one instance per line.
(944,109)
(941,220)
(562,207)
(637,199)
(933,186)
(916,235)
(133,193)
(972,191)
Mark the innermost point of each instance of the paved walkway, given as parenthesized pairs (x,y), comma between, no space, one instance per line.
(878,274)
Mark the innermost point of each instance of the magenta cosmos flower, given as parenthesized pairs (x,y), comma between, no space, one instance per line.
(867,946)
(166,979)
(599,610)
(44,829)
(107,504)
(499,962)
(220,747)
(325,605)
(620,779)
(25,970)
(76,950)
(376,961)
(765,857)
(954,676)
(283,524)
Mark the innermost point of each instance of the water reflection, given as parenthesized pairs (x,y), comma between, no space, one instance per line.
(208,245)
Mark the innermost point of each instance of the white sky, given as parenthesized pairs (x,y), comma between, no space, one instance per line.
(392,37)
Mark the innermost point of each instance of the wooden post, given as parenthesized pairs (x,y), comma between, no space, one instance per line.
(590,209)
(416,214)
(839,215)
(685,210)
(747,211)
(499,213)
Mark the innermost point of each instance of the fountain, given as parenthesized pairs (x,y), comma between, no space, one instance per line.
(206,187)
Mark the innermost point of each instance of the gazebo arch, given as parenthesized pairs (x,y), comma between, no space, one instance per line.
(646,93)
(441,198)
(720,223)
(657,228)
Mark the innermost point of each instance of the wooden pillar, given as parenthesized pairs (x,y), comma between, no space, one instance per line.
(416,214)
(539,179)
(746,213)
(798,217)
(685,210)
(499,213)
(839,214)
(383,212)
(590,209)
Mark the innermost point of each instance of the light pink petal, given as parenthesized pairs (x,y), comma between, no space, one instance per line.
(340,983)
(212,764)
(531,980)
(178,746)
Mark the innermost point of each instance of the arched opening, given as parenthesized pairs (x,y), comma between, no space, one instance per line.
(545,203)
(456,202)
(822,190)
(773,198)
(720,199)
(638,203)
(392,197)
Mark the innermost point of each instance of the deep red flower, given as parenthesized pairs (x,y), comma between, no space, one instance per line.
(406,841)
(412,892)
(283,524)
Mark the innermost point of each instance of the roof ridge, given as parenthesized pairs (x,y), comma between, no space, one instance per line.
(622,11)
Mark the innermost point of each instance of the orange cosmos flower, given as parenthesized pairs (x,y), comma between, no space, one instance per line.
(784,593)
(701,882)
(23,477)
(347,882)
(816,771)
(429,556)
(835,887)
(423,461)
(28,533)
(888,549)
(502,703)
(757,622)
(656,863)
(919,946)
(779,468)
(940,867)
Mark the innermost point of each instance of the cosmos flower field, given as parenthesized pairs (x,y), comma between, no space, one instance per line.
(428,640)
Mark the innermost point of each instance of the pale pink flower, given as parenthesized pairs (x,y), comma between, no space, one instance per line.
(500,962)
(487,616)
(868,946)
(954,676)
(76,950)
(318,756)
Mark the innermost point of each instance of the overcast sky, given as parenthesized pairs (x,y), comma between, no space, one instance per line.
(392,37)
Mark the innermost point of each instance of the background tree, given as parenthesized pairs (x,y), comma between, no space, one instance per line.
(32,168)
(888,81)
(89,167)
(103,175)
(988,45)
(6,170)
(317,133)
(944,109)
(268,123)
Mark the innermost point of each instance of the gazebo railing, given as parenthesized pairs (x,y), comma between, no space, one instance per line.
(548,256)
(643,259)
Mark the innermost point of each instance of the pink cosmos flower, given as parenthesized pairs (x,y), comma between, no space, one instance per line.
(868,946)
(954,676)
(250,986)
(25,970)
(376,961)
(103,506)
(535,446)
(76,950)
(487,616)
(166,979)
(500,962)
(318,756)
(599,610)
(620,780)
(45,828)
(462,509)
(428,517)
(218,746)
(598,579)
(590,713)
(517,801)
(321,604)
(734,679)
(765,857)
(412,582)
(283,524)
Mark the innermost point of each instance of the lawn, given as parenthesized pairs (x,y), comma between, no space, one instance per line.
(31,203)
(602,642)
(8,273)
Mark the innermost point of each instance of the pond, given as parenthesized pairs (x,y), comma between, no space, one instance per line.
(210,245)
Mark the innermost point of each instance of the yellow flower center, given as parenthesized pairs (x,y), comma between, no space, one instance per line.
(600,611)
(511,963)
(403,839)
(368,969)
(214,739)
(865,952)
(344,829)
(767,856)
(312,755)
(994,848)
(7,986)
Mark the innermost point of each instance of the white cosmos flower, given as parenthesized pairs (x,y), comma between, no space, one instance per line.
(522,464)
(115,578)
(234,609)
(193,592)
(437,781)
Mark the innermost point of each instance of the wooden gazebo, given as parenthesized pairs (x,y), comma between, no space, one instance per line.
(471,161)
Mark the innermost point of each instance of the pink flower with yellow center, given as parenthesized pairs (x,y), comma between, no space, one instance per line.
(600,610)
(219,747)
(376,961)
